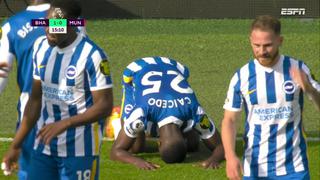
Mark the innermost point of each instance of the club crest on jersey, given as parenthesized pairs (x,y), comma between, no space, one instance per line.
(128,108)
(71,72)
(289,87)
(205,122)
(104,67)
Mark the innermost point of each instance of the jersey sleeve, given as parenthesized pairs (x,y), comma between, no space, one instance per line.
(135,123)
(233,101)
(313,82)
(129,72)
(98,70)
(127,100)
(203,124)
(184,70)
(35,59)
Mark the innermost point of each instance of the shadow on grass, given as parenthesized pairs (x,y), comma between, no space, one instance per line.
(203,153)
(151,151)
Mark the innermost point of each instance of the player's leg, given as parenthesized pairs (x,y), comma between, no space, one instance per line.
(43,167)
(85,168)
(192,139)
(172,146)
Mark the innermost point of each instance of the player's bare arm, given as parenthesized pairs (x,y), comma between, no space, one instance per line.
(102,107)
(233,164)
(120,152)
(302,80)
(30,117)
(214,143)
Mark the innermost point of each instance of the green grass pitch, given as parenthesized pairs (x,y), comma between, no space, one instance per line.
(189,170)
(213,50)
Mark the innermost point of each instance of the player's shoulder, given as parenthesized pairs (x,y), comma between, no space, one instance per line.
(40,40)
(293,61)
(86,39)
(19,17)
(245,68)
(157,62)
(13,20)
(94,46)
(40,44)
(291,58)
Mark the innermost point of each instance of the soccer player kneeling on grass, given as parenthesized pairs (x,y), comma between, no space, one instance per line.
(71,96)
(156,92)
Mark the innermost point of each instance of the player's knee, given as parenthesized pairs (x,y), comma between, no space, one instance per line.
(173,151)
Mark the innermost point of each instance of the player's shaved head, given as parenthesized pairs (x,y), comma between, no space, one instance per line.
(173,148)
(173,151)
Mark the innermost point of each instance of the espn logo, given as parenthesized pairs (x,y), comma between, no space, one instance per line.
(293,11)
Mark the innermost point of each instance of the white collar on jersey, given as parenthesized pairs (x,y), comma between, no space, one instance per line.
(270,69)
(71,46)
(40,7)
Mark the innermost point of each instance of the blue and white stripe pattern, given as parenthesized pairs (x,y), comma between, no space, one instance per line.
(156,91)
(68,76)
(273,103)
(138,65)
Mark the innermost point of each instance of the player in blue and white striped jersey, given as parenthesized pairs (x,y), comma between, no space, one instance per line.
(18,37)
(71,96)
(156,91)
(270,88)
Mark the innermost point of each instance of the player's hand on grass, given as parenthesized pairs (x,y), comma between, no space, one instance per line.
(209,163)
(9,161)
(145,165)
(52,130)
(234,168)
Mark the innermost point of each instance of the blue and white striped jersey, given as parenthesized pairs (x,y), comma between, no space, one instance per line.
(273,103)
(67,77)
(156,91)
(18,37)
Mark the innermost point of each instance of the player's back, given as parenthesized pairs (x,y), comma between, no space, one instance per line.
(18,38)
(161,87)
(158,77)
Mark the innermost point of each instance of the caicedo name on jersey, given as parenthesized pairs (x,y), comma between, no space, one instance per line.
(172,103)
